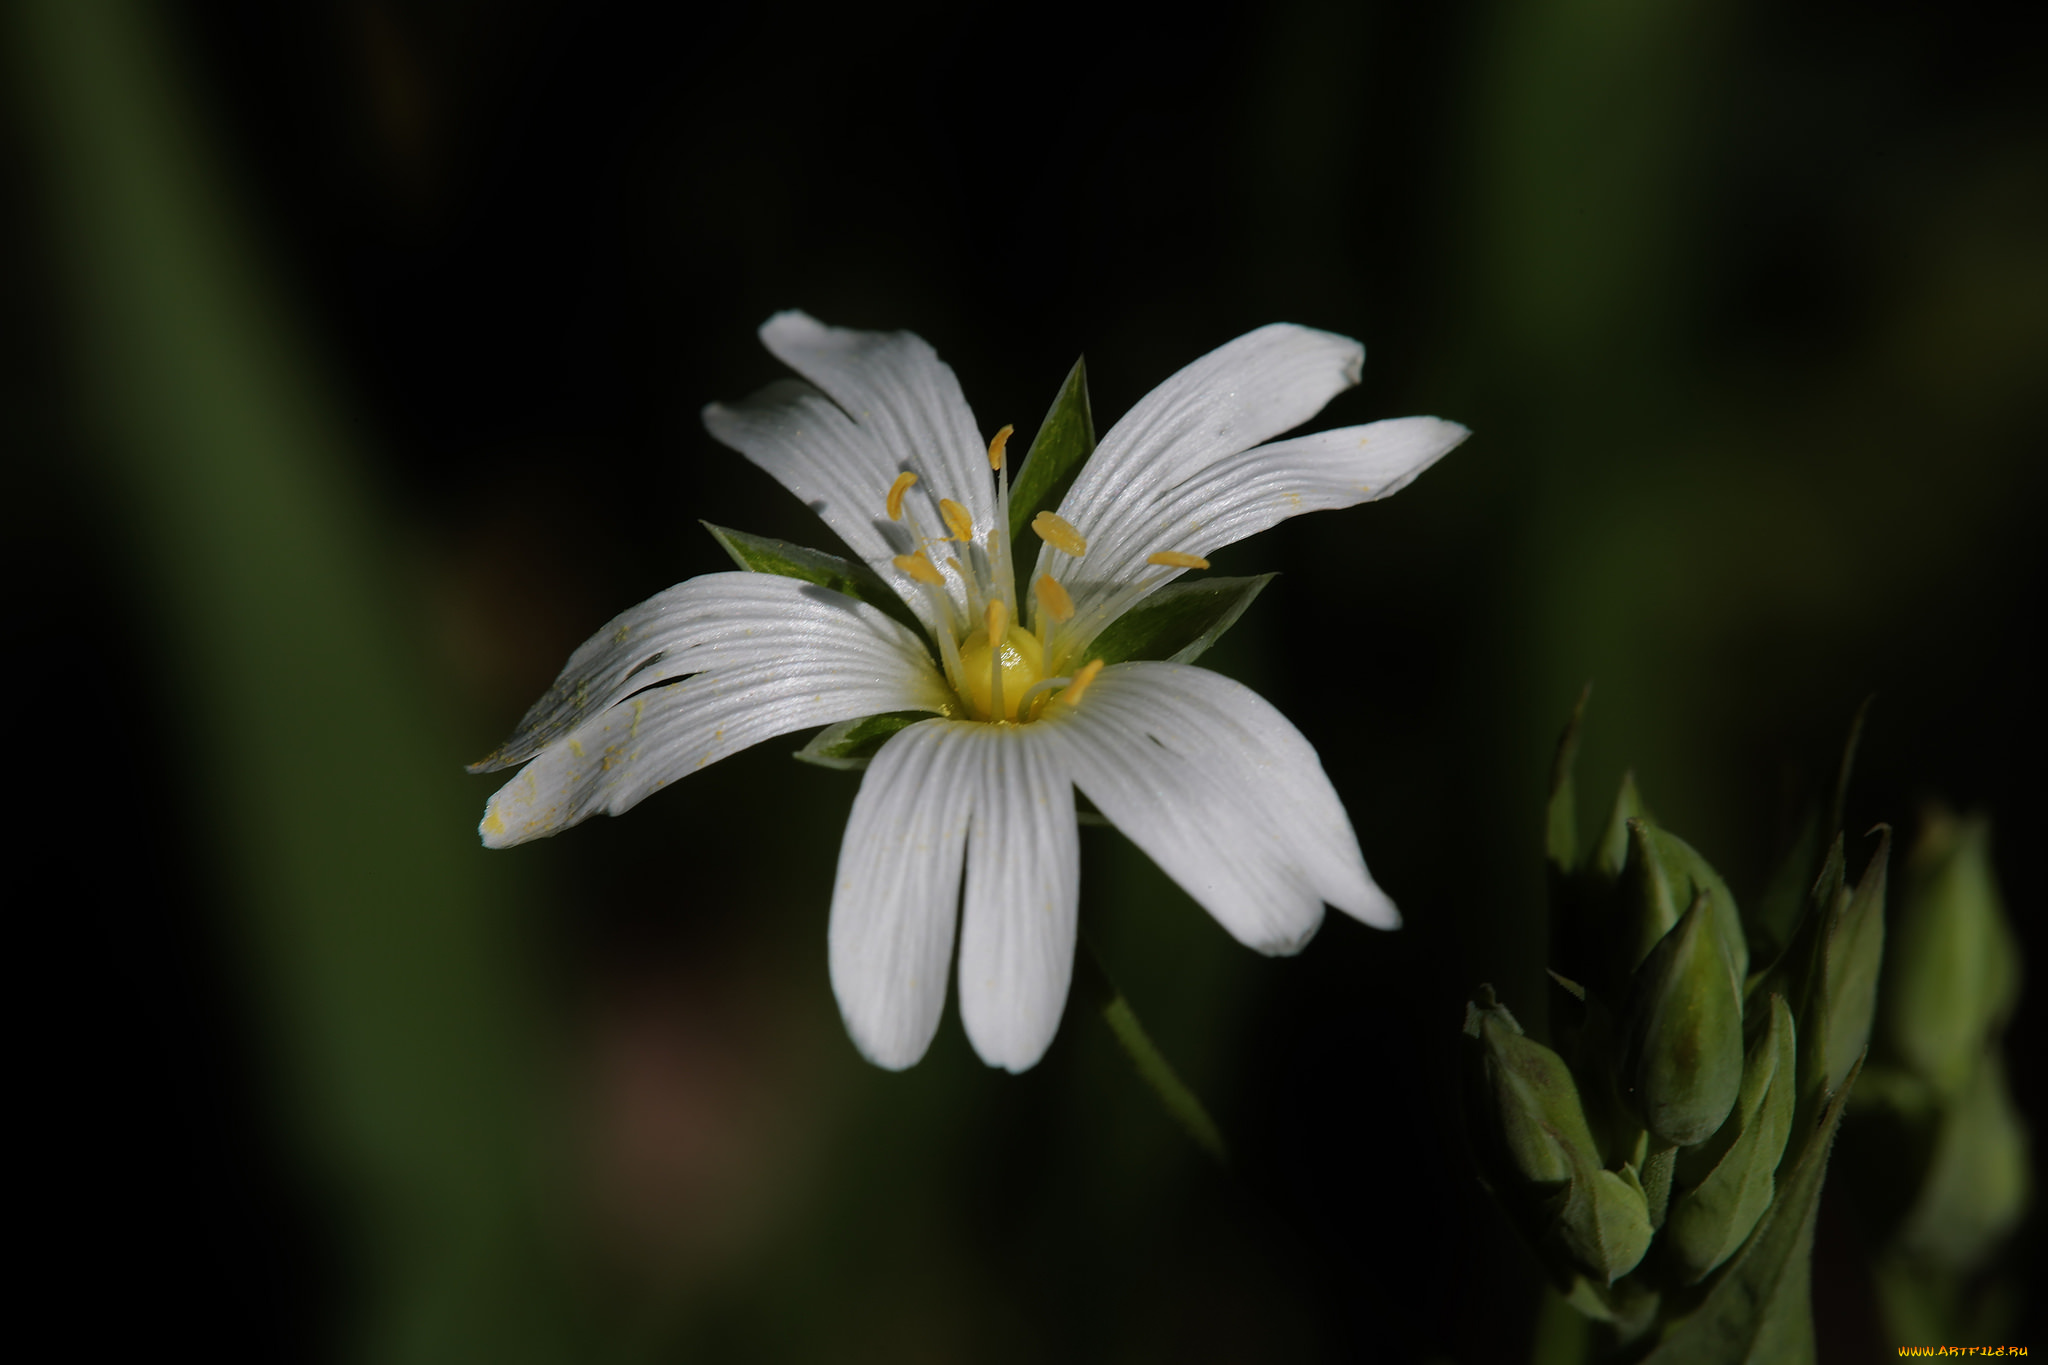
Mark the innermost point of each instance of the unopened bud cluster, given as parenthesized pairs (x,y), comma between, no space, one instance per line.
(1645,1144)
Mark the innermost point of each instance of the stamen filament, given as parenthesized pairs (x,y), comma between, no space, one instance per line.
(998,624)
(1037,692)
(1082,677)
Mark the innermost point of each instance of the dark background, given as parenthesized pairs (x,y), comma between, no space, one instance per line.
(1746,304)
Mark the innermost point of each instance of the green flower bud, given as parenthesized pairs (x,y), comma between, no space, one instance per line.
(1953,974)
(1604,1225)
(1665,874)
(1682,1032)
(1729,1182)
(1977,1182)
(1529,1105)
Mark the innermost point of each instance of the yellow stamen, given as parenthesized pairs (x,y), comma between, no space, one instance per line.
(1082,677)
(958,520)
(920,568)
(995,447)
(1056,532)
(1174,559)
(896,492)
(998,619)
(1054,599)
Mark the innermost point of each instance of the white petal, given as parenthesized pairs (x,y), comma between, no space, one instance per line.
(1225,795)
(770,655)
(899,407)
(894,385)
(1023,887)
(1245,392)
(898,891)
(840,470)
(1245,493)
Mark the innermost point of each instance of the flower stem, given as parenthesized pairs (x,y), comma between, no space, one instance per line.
(1153,1069)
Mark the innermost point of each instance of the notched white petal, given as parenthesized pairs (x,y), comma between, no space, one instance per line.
(693,675)
(894,386)
(1240,394)
(1023,886)
(1226,796)
(897,893)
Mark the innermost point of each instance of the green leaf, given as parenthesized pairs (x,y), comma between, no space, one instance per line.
(1760,1307)
(849,745)
(1561,838)
(1179,622)
(763,554)
(1065,440)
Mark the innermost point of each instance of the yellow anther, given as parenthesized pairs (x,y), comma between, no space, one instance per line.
(1054,598)
(1082,677)
(1056,532)
(995,447)
(958,520)
(998,619)
(896,491)
(920,568)
(1174,559)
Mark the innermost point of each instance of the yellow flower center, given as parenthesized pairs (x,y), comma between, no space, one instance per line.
(1022,664)
(998,668)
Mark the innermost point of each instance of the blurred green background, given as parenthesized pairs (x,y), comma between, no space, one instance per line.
(352,352)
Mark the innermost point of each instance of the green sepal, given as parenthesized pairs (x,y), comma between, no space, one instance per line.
(1610,855)
(1179,622)
(1527,1104)
(1691,875)
(1664,875)
(1759,1308)
(1561,831)
(1954,972)
(763,554)
(1629,1307)
(1978,1180)
(1065,440)
(1729,1181)
(1773,918)
(1682,1032)
(849,745)
(1854,957)
(1604,1223)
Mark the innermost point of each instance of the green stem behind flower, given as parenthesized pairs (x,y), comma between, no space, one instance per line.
(1173,1094)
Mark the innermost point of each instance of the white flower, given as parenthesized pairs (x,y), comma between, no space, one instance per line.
(1201,773)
